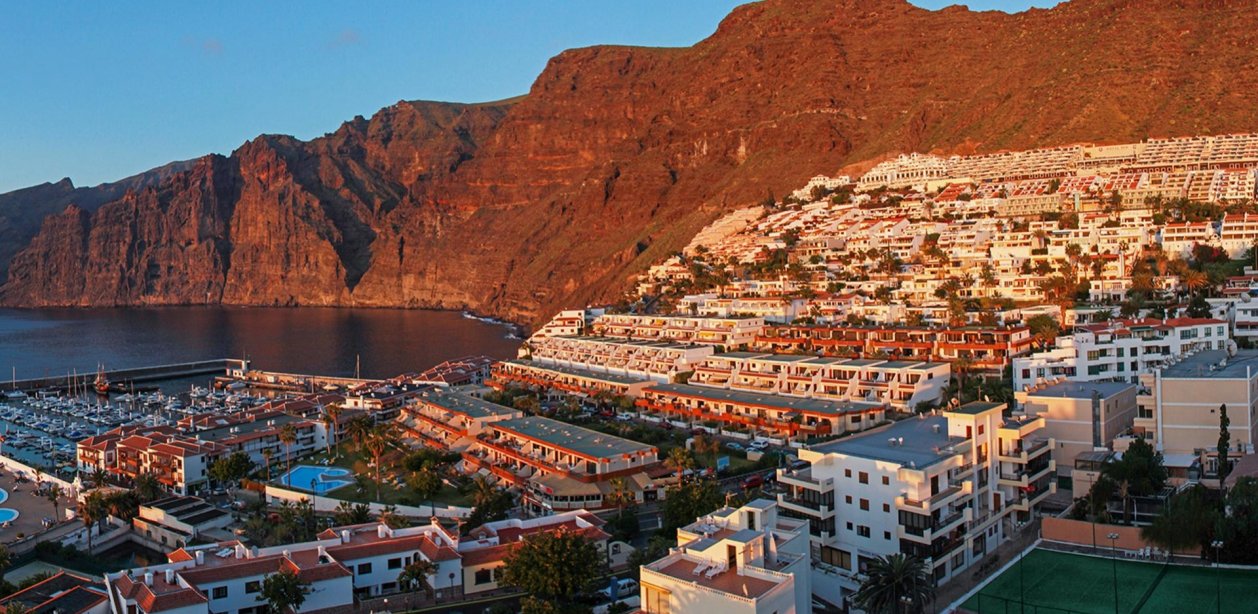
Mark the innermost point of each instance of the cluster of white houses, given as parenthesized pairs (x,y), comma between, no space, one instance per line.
(341,565)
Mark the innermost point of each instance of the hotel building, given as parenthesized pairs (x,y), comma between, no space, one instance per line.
(987,347)
(948,488)
(728,333)
(657,360)
(747,560)
(555,379)
(1081,417)
(1119,350)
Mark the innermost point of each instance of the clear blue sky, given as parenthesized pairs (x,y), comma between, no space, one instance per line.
(97,91)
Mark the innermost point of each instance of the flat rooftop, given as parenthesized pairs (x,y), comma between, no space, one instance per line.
(923,444)
(1199,366)
(465,404)
(578,439)
(583,373)
(729,581)
(1082,390)
(974,408)
(772,401)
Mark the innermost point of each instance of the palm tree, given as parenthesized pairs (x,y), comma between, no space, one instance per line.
(91,512)
(620,494)
(53,494)
(99,475)
(147,487)
(331,414)
(894,584)
(267,453)
(416,575)
(288,436)
(358,429)
(1194,280)
(679,460)
(378,441)
(483,491)
(1060,292)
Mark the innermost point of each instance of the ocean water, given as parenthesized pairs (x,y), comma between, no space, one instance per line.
(328,341)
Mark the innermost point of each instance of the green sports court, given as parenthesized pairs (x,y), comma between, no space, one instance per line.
(1048,582)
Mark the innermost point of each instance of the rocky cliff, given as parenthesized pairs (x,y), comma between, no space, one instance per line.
(617,155)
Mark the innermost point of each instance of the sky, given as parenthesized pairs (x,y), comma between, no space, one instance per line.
(97,91)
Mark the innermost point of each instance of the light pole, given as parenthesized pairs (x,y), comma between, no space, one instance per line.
(1021,581)
(1113,537)
(1218,591)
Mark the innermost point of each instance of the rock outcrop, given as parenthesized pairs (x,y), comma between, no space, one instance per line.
(618,155)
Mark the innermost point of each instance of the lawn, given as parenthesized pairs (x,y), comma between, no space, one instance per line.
(1056,582)
(390,492)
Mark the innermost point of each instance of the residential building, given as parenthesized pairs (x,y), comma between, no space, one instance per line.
(986,347)
(553,379)
(1119,350)
(1179,405)
(451,420)
(1081,417)
(657,360)
(174,522)
(179,463)
(60,593)
(948,487)
(746,560)
(902,384)
(727,332)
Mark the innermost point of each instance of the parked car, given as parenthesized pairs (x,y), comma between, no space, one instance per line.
(753,481)
(624,588)
(624,417)
(734,445)
(758,445)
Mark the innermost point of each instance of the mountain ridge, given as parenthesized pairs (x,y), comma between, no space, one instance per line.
(618,155)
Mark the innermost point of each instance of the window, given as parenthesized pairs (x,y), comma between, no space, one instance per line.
(862,530)
(847,473)
(981,428)
(836,557)
(847,499)
(395,563)
(364,569)
(886,481)
(865,504)
(886,535)
(849,526)
(219,592)
(252,587)
(484,576)
(864,477)
(886,507)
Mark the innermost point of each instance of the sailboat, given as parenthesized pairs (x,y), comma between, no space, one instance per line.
(102,382)
(15,394)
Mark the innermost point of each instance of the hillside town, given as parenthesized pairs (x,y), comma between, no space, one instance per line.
(925,372)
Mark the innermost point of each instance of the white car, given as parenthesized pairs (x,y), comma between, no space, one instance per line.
(624,417)
(624,588)
(758,444)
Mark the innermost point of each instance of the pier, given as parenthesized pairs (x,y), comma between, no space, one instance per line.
(289,382)
(135,374)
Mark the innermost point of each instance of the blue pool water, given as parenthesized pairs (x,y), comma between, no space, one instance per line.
(7,514)
(316,479)
(4,495)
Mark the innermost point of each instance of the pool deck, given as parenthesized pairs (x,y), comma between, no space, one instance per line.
(33,508)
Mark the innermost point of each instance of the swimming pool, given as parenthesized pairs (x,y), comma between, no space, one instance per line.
(7,514)
(4,495)
(316,479)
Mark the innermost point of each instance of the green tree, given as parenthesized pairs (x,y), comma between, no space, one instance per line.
(53,493)
(554,566)
(1188,520)
(91,512)
(1237,527)
(679,460)
(392,519)
(1198,307)
(331,419)
(1138,473)
(352,513)
(1225,444)
(380,439)
(415,576)
(231,469)
(895,584)
(426,483)
(284,591)
(147,488)
(358,429)
(685,502)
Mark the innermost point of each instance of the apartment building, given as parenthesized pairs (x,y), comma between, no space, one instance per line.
(176,521)
(254,432)
(747,560)
(561,466)
(549,379)
(947,487)
(1238,233)
(1119,350)
(986,347)
(60,593)
(1178,239)
(739,413)
(1179,405)
(179,463)
(727,332)
(340,565)
(1081,417)
(899,383)
(452,420)
(656,360)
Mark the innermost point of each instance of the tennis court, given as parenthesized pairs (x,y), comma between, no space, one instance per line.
(1060,583)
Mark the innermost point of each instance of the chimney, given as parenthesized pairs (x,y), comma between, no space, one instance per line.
(323,552)
(382,531)
(170,576)
(200,557)
(148,578)
(344,536)
(240,551)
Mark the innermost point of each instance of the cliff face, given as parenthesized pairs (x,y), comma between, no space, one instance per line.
(618,155)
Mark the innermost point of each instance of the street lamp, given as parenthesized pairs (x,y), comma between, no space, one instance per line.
(1218,592)
(1113,537)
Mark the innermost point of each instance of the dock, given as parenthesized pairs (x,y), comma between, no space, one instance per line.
(135,374)
(290,382)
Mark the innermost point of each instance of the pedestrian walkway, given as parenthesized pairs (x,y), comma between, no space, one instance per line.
(963,584)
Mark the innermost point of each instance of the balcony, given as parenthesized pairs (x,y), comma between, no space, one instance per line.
(1023,477)
(810,509)
(803,479)
(944,497)
(1025,453)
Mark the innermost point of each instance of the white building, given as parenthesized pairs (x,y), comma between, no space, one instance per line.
(747,560)
(1119,350)
(947,488)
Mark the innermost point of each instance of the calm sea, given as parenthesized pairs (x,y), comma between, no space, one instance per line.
(53,342)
